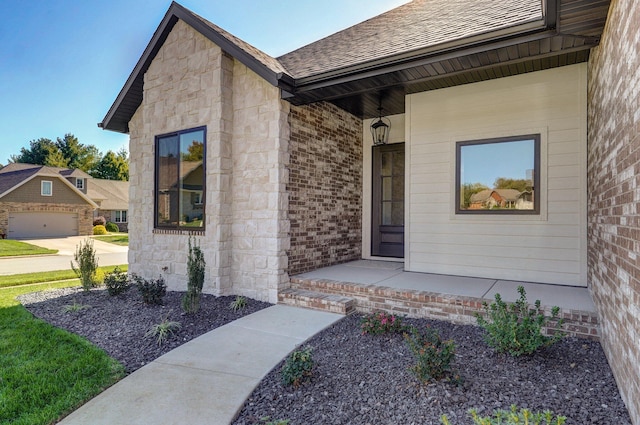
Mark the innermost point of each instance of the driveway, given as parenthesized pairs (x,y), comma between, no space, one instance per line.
(108,255)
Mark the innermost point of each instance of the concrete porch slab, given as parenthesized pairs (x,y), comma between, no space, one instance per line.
(570,297)
(442,284)
(353,273)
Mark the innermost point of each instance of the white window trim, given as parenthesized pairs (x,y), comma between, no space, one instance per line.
(42,185)
(80,184)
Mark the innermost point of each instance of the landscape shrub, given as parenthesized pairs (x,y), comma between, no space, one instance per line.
(195,270)
(152,290)
(99,221)
(515,328)
(380,323)
(87,264)
(297,368)
(112,227)
(99,230)
(238,303)
(161,331)
(116,282)
(514,416)
(433,355)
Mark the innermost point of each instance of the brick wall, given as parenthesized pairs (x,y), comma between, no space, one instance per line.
(325,187)
(614,195)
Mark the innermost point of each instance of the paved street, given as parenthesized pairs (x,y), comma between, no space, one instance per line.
(108,255)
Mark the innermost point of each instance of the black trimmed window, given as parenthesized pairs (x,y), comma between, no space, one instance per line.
(498,176)
(180,180)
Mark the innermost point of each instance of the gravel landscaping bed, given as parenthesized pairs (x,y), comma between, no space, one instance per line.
(364,379)
(358,379)
(118,324)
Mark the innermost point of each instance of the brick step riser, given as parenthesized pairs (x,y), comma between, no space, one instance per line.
(456,309)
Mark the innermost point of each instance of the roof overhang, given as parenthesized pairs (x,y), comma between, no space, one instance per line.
(564,36)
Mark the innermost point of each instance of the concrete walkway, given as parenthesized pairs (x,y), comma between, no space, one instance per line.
(208,379)
(108,255)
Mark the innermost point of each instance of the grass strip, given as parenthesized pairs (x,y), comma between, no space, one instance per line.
(45,372)
(11,248)
(117,239)
(29,278)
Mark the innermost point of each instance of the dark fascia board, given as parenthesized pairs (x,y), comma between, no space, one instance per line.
(136,78)
(531,30)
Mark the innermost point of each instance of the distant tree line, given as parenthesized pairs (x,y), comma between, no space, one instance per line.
(68,152)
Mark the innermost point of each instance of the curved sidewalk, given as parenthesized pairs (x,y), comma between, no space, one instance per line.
(208,379)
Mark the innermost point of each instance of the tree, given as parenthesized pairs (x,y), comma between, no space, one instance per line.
(521,185)
(41,152)
(77,155)
(112,166)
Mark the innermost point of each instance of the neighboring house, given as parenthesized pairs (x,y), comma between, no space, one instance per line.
(40,201)
(492,198)
(292,180)
(112,198)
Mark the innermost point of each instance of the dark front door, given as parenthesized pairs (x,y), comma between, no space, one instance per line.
(387,218)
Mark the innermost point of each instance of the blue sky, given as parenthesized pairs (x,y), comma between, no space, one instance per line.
(484,163)
(63,62)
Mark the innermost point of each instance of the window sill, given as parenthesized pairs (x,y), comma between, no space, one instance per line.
(178,232)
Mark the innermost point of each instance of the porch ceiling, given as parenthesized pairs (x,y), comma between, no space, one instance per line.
(566,40)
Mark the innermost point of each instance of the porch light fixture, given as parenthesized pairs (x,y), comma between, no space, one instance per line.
(380,129)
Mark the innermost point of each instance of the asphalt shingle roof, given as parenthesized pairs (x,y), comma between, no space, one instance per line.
(416,25)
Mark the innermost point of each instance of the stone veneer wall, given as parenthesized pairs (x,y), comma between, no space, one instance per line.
(192,83)
(85,213)
(325,187)
(614,195)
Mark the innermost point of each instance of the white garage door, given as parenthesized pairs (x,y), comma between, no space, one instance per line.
(42,225)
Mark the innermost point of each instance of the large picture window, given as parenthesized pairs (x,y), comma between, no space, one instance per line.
(180,188)
(498,176)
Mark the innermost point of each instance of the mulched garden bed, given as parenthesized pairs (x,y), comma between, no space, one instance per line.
(118,324)
(365,379)
(358,379)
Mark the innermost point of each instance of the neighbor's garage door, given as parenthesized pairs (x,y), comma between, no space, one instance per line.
(42,225)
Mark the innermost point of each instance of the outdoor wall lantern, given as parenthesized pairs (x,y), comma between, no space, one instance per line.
(380,129)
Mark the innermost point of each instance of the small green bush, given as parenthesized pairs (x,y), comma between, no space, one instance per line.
(161,331)
(75,307)
(297,368)
(514,416)
(111,227)
(99,230)
(87,264)
(195,269)
(515,328)
(238,304)
(152,291)
(116,282)
(380,323)
(433,355)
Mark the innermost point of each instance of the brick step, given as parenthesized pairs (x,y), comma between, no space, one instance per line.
(317,301)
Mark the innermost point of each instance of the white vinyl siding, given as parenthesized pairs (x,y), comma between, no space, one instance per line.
(550,247)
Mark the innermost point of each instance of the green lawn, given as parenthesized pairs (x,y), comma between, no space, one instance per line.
(117,238)
(45,372)
(10,247)
(29,278)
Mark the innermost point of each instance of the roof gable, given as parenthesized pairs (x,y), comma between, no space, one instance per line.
(130,97)
(11,181)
